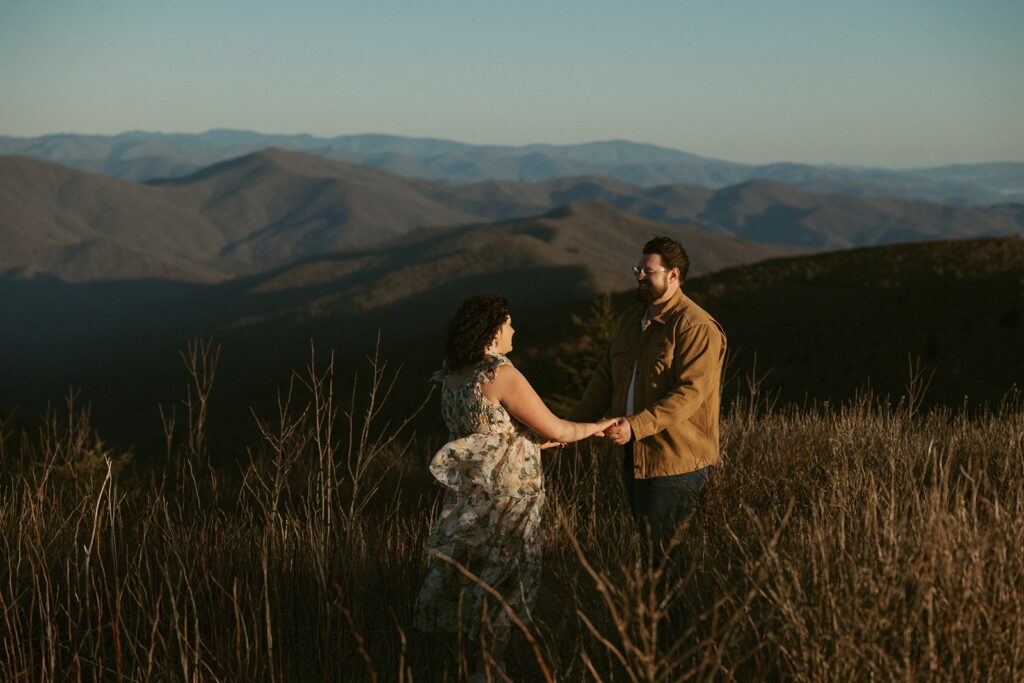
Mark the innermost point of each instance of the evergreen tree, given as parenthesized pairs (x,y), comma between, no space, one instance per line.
(582,354)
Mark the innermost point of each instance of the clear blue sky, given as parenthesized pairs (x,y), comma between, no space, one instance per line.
(874,82)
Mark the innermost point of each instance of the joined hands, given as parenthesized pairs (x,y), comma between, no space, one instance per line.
(620,432)
(616,430)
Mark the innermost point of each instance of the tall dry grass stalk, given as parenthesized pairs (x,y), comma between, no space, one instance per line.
(838,542)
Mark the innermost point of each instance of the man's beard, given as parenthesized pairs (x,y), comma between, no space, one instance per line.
(646,293)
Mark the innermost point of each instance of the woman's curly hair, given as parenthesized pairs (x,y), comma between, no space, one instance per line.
(472,329)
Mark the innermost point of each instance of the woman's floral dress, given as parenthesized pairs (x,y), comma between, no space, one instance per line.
(490,521)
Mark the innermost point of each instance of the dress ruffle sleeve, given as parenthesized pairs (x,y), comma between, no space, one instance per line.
(498,464)
(500,457)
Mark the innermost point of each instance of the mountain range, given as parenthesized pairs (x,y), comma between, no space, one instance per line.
(814,327)
(569,254)
(140,155)
(103,281)
(274,207)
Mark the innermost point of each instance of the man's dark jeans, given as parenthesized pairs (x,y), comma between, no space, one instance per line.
(659,504)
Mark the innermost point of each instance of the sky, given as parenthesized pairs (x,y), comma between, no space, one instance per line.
(894,83)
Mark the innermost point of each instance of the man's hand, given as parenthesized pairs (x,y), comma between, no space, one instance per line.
(620,432)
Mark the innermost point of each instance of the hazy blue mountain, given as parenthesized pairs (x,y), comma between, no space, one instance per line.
(775,213)
(139,155)
(1006,178)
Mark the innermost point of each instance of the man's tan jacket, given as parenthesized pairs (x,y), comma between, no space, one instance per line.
(677,393)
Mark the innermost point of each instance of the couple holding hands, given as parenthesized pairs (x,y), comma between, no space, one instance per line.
(656,393)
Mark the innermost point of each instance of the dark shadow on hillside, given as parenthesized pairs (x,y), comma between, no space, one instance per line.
(120,343)
(45,315)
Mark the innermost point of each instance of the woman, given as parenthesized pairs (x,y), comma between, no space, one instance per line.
(490,522)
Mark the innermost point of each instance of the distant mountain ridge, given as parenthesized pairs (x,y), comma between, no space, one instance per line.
(270,208)
(138,155)
(573,252)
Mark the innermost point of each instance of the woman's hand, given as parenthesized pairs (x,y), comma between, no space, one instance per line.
(603,426)
(552,444)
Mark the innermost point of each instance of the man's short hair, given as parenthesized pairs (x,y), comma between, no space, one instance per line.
(672,254)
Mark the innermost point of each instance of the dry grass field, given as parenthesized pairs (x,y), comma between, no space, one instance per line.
(863,541)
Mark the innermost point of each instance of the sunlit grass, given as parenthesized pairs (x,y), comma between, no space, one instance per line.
(839,542)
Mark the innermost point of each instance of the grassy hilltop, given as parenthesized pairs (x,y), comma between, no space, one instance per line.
(854,541)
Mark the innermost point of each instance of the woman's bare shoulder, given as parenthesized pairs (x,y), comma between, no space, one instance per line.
(510,381)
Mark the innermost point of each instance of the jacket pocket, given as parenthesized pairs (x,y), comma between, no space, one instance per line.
(661,369)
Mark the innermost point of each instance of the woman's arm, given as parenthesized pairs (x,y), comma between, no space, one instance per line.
(512,390)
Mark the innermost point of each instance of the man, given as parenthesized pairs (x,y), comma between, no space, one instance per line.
(662,373)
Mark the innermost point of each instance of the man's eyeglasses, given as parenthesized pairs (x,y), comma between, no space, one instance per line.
(646,272)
